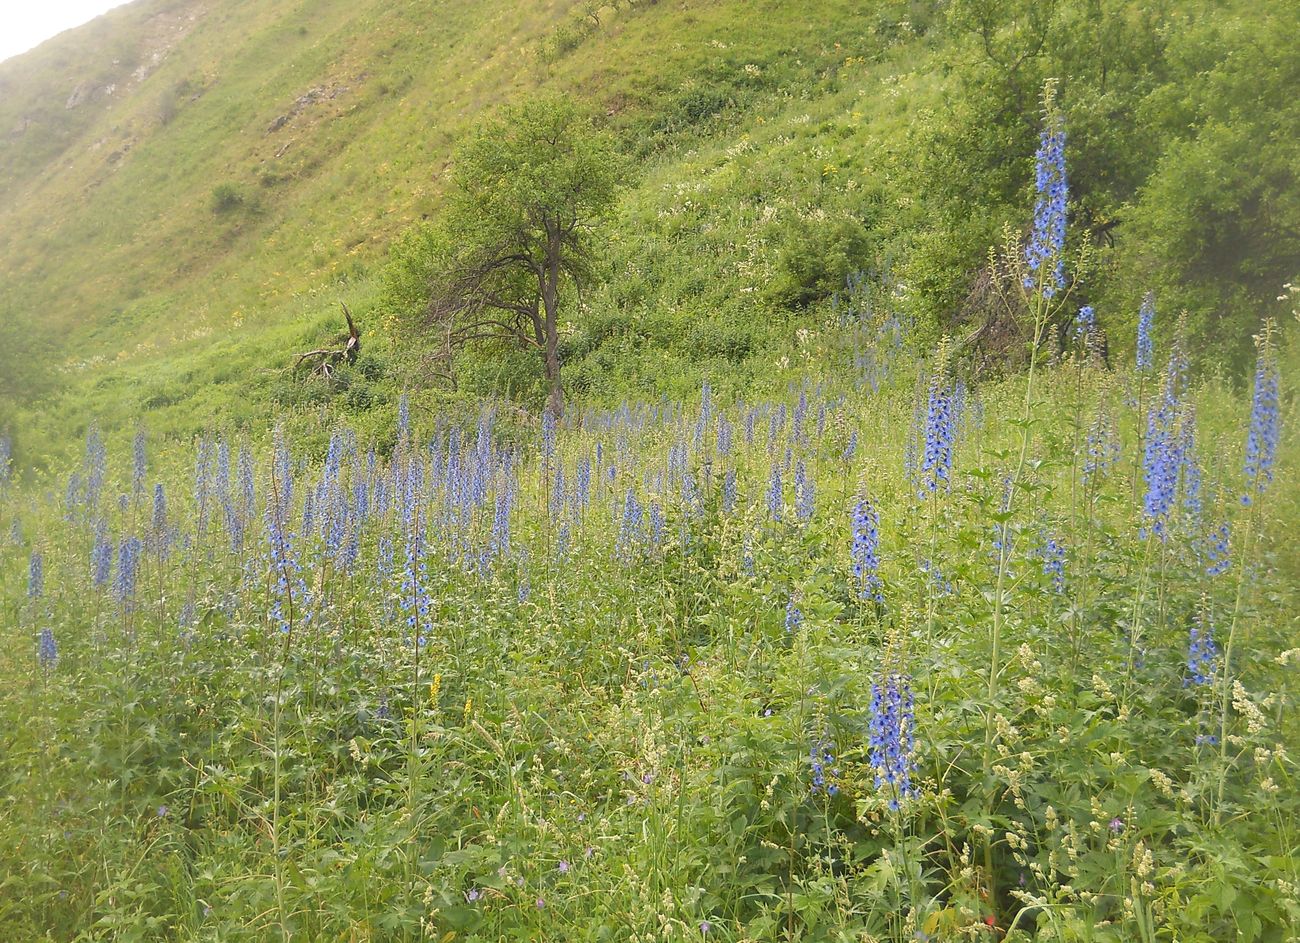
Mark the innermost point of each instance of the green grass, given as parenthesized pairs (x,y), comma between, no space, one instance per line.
(614,738)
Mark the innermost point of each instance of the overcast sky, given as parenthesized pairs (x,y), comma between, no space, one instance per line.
(28,23)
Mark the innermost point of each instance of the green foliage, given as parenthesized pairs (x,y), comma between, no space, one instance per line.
(621,731)
(815,257)
(226,197)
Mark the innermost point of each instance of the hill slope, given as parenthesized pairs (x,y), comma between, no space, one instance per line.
(186,187)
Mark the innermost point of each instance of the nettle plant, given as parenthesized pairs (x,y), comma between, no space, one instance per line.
(903,656)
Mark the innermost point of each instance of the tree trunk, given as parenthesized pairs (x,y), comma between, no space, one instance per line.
(551,312)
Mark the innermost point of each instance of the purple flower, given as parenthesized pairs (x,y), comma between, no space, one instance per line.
(1043,254)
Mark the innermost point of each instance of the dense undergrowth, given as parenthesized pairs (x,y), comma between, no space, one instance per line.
(885,656)
(873,587)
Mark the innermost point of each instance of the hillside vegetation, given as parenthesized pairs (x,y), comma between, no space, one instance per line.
(188,187)
(892,542)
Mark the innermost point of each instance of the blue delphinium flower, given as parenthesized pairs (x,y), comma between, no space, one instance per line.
(72,496)
(821,763)
(47,650)
(775,497)
(804,493)
(891,741)
(1162,462)
(1146,350)
(1202,652)
(793,615)
(415,597)
(1085,324)
(939,434)
(1053,557)
(128,568)
(548,437)
(289,590)
(865,551)
(203,473)
(582,487)
(101,556)
(706,413)
(403,418)
(1102,447)
(6,458)
(96,457)
(1218,552)
(158,534)
(1261,440)
(658,524)
(729,491)
(630,526)
(36,575)
(724,437)
(500,540)
(1044,255)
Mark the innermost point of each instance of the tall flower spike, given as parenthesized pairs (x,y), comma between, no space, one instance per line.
(892,737)
(1261,440)
(6,458)
(1162,460)
(804,493)
(47,650)
(1146,322)
(940,435)
(36,575)
(793,616)
(1044,255)
(865,551)
(1202,652)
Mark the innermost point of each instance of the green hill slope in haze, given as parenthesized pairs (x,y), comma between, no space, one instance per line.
(187,187)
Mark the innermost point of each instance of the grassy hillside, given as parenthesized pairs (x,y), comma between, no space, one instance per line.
(190,187)
(873,586)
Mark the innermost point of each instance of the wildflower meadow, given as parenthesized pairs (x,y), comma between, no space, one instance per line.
(907,652)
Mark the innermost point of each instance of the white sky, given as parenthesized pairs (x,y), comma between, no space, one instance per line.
(25,24)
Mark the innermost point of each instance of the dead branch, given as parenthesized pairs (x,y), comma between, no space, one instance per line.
(327,358)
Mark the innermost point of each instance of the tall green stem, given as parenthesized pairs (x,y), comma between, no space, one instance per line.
(999,594)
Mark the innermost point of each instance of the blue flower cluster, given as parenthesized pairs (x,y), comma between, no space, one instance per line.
(865,551)
(1162,462)
(1085,324)
(1146,351)
(793,616)
(1044,255)
(1053,557)
(821,763)
(804,493)
(939,437)
(47,651)
(128,569)
(892,743)
(1261,440)
(36,575)
(6,459)
(1101,446)
(1218,554)
(1202,653)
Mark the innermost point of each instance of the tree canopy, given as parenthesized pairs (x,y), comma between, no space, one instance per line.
(528,188)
